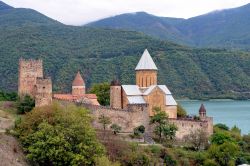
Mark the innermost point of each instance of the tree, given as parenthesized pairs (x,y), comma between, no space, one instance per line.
(223,154)
(222,126)
(104,120)
(102,92)
(181,112)
(162,126)
(59,135)
(115,128)
(25,104)
(198,139)
(221,137)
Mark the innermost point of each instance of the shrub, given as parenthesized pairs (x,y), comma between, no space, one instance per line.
(116,128)
(25,104)
(139,130)
(56,135)
(222,126)
(104,161)
(181,112)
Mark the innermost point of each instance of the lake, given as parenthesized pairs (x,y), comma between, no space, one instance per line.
(228,112)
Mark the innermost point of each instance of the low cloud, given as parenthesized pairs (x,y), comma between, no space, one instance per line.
(79,12)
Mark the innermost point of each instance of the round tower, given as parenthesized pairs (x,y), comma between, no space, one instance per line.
(202,112)
(115,94)
(146,71)
(78,85)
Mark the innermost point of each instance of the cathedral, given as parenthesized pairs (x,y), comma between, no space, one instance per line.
(145,91)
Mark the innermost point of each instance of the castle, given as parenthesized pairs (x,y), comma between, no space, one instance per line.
(130,105)
(32,82)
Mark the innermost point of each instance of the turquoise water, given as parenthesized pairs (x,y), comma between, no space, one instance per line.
(223,111)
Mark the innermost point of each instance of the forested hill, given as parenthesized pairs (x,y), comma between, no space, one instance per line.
(225,28)
(4,6)
(102,54)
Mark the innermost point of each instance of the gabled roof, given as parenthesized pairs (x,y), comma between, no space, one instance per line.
(136,100)
(162,87)
(146,62)
(170,101)
(78,81)
(165,89)
(131,90)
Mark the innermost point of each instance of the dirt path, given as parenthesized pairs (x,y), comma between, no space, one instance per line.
(10,151)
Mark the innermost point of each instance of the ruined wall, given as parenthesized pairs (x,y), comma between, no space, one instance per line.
(43,89)
(29,70)
(186,126)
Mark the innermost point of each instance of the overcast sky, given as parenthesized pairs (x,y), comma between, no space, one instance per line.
(78,12)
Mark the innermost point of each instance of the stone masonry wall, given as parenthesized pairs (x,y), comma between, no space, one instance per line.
(29,70)
(136,115)
(186,126)
(43,95)
(128,119)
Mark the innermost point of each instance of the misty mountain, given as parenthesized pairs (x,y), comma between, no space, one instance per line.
(225,28)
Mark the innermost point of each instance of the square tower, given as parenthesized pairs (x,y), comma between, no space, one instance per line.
(29,71)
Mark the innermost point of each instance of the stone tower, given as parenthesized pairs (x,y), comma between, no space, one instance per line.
(202,113)
(29,70)
(32,82)
(78,85)
(115,94)
(146,71)
(43,92)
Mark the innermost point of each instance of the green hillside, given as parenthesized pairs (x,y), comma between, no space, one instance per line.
(225,28)
(103,54)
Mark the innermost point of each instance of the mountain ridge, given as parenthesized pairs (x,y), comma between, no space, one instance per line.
(4,6)
(102,54)
(226,28)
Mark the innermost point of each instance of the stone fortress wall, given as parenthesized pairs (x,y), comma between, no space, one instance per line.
(136,115)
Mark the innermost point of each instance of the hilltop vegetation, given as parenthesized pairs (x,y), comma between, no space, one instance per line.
(103,54)
(225,28)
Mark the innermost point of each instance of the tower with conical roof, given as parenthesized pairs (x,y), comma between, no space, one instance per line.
(78,85)
(146,71)
(202,112)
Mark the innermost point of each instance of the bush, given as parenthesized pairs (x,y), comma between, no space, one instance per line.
(104,161)
(222,126)
(181,112)
(139,130)
(115,128)
(25,104)
(56,135)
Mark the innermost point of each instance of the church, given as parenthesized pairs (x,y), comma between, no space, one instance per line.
(145,91)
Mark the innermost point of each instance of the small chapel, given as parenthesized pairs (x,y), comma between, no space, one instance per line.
(78,93)
(145,91)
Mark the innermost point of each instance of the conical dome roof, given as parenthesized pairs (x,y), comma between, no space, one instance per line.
(78,81)
(202,109)
(146,62)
